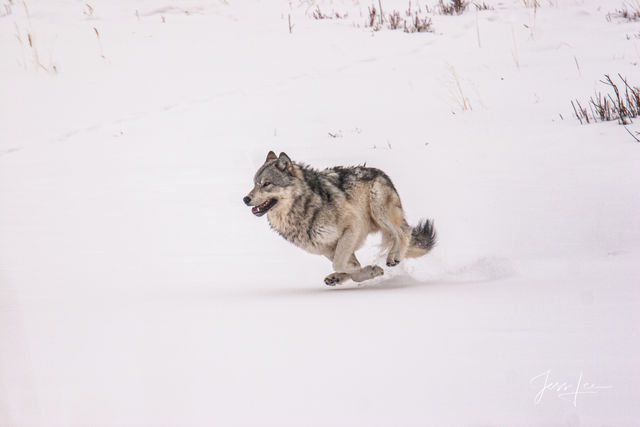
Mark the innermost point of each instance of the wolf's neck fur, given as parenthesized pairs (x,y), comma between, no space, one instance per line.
(290,224)
(295,217)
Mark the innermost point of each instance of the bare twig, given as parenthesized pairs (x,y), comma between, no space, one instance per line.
(99,43)
(483,6)
(478,29)
(458,94)
(578,116)
(632,135)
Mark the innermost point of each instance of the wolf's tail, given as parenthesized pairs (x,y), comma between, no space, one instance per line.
(423,239)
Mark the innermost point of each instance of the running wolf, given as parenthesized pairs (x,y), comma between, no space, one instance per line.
(331,212)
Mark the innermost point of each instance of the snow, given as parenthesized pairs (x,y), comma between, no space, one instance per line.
(137,289)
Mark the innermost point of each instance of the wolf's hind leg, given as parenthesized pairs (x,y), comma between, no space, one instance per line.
(367,273)
(394,234)
(387,212)
(360,275)
(356,273)
(353,262)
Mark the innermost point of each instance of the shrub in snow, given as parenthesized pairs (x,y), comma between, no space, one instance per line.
(622,106)
(318,14)
(453,7)
(629,11)
(411,22)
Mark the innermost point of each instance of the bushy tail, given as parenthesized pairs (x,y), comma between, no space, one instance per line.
(423,239)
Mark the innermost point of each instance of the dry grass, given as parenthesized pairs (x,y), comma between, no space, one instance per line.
(374,20)
(453,7)
(457,92)
(622,106)
(394,20)
(514,51)
(483,6)
(419,25)
(6,9)
(319,14)
(411,21)
(29,41)
(88,11)
(630,11)
(95,30)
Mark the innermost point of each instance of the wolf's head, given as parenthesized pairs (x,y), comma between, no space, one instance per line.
(274,182)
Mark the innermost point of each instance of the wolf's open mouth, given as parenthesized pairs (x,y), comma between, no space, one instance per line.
(263,208)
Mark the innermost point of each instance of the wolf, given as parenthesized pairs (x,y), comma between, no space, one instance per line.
(331,212)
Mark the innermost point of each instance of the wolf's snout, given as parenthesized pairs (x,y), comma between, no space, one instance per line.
(247,200)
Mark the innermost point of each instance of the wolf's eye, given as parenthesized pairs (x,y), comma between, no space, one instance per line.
(266,183)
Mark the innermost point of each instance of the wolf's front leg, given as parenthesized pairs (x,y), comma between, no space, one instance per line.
(336,279)
(346,264)
(343,258)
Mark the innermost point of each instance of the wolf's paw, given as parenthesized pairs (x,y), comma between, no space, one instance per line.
(367,273)
(376,271)
(393,259)
(335,279)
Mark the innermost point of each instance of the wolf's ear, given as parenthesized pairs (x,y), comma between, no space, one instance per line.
(271,156)
(284,163)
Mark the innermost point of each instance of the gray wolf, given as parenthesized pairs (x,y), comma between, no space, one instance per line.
(332,211)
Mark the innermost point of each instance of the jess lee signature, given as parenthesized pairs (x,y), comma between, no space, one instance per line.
(568,391)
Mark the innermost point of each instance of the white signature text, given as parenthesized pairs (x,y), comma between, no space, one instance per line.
(568,391)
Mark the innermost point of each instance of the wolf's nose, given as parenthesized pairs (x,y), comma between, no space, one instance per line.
(246,200)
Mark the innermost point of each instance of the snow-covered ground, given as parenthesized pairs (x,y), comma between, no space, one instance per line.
(137,290)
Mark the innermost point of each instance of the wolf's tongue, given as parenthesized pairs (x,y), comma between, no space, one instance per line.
(255,209)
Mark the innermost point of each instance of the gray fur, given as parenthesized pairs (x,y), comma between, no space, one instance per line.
(331,212)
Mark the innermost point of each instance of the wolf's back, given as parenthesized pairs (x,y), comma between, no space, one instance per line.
(423,239)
